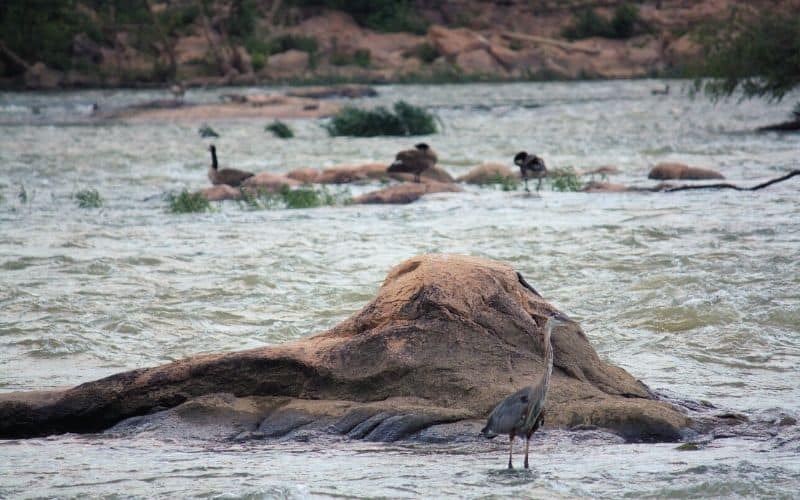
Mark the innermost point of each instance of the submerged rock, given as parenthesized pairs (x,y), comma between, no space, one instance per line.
(304,175)
(221,192)
(672,171)
(406,192)
(269,182)
(445,339)
(345,174)
(604,187)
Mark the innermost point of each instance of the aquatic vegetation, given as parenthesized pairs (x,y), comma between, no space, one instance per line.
(23,194)
(504,182)
(690,446)
(564,179)
(280,130)
(187,202)
(205,130)
(88,198)
(286,197)
(406,120)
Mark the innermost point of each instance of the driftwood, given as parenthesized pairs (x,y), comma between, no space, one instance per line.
(725,185)
(569,47)
(791,126)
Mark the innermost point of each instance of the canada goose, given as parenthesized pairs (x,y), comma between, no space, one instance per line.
(414,161)
(229,176)
(530,163)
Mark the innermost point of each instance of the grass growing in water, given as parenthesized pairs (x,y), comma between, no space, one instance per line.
(406,120)
(280,130)
(88,198)
(187,202)
(564,179)
(505,183)
(286,197)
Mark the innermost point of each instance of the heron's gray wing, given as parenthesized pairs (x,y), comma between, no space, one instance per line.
(510,413)
(537,394)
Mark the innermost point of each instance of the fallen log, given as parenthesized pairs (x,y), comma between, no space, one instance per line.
(726,185)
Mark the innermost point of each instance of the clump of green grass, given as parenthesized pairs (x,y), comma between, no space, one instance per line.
(205,130)
(280,130)
(505,183)
(564,179)
(286,197)
(187,202)
(88,198)
(690,446)
(406,120)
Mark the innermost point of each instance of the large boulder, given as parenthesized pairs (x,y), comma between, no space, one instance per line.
(345,174)
(290,62)
(432,174)
(671,171)
(221,192)
(266,181)
(451,42)
(406,192)
(446,338)
(40,76)
(306,175)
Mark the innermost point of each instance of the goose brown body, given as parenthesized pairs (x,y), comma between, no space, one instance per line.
(414,161)
(229,176)
(530,165)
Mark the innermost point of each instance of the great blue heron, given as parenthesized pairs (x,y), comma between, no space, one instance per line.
(229,176)
(414,161)
(530,163)
(178,90)
(523,412)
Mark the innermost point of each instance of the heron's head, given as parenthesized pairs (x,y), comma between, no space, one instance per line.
(553,320)
(520,158)
(422,146)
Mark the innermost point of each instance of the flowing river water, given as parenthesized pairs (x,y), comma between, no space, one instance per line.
(695,293)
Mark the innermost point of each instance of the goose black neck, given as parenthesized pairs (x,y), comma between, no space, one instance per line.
(214,164)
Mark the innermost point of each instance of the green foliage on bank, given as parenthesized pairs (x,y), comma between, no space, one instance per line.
(88,198)
(758,56)
(405,120)
(624,24)
(361,58)
(380,15)
(280,130)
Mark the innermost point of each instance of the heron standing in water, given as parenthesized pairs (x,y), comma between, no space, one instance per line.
(530,163)
(523,412)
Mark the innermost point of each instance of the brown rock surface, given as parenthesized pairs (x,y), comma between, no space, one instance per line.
(671,171)
(345,174)
(291,62)
(306,175)
(406,192)
(451,42)
(269,182)
(432,174)
(604,187)
(487,173)
(446,338)
(221,192)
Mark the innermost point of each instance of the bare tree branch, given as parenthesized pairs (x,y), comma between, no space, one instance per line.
(726,185)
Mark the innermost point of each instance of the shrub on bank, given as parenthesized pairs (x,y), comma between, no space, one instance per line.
(405,120)
(623,24)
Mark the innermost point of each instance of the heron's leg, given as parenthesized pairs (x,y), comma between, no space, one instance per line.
(526,185)
(510,449)
(539,186)
(527,442)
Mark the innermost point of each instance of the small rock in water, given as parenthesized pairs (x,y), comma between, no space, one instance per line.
(206,131)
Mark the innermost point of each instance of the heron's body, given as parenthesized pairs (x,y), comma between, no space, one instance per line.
(414,161)
(530,165)
(229,176)
(522,413)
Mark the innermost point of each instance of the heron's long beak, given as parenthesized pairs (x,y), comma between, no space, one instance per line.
(561,317)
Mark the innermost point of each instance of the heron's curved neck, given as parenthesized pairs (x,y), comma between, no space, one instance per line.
(214,164)
(548,353)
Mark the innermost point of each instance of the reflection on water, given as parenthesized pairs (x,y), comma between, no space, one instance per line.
(695,293)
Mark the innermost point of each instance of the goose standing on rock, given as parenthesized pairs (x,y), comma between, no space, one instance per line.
(229,176)
(414,161)
(530,163)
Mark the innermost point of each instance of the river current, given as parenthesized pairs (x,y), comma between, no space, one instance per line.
(695,293)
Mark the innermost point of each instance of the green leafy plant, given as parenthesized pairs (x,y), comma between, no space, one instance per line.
(88,198)
(564,179)
(282,43)
(286,197)
(280,130)
(205,130)
(505,183)
(623,24)
(406,120)
(380,15)
(188,202)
